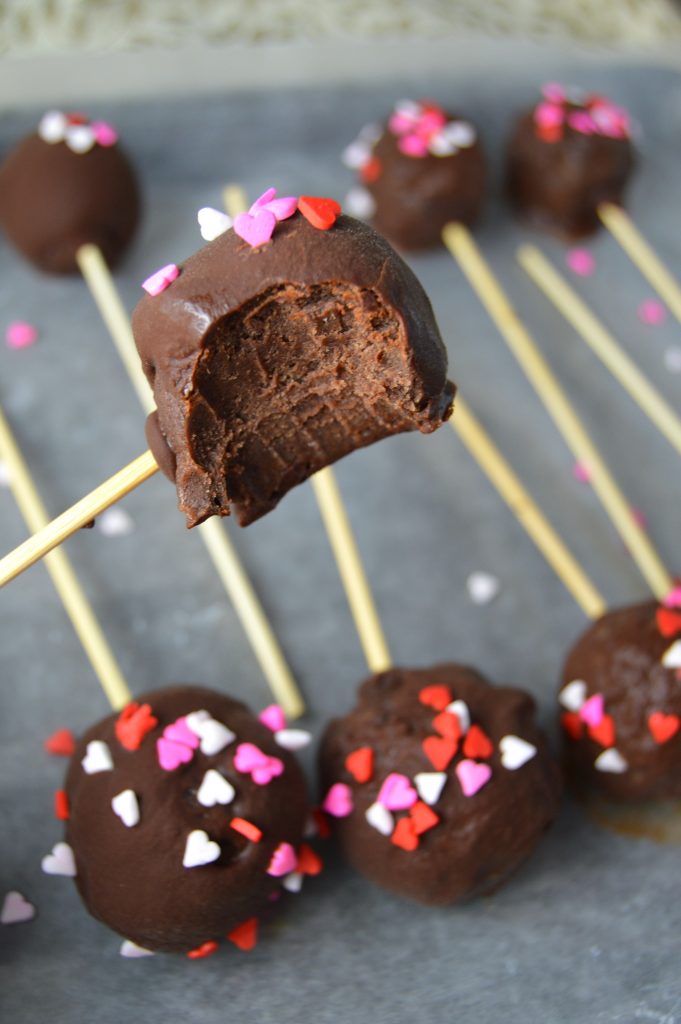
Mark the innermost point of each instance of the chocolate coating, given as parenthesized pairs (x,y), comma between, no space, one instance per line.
(620,657)
(133,878)
(53,200)
(480,840)
(268,364)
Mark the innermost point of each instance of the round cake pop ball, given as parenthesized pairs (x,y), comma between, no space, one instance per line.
(438,785)
(423,169)
(185,818)
(621,705)
(67,184)
(293,338)
(566,156)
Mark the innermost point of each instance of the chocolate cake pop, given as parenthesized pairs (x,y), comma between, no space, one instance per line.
(282,345)
(423,169)
(438,785)
(566,156)
(621,705)
(67,184)
(185,817)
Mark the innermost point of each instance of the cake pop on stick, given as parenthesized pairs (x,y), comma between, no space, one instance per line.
(641,253)
(601,341)
(464,250)
(218,544)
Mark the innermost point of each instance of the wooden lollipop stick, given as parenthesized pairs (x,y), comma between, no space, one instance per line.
(73,598)
(620,225)
(214,536)
(599,339)
(462,246)
(84,511)
(526,511)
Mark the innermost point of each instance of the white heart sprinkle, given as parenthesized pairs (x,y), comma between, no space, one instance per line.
(215,789)
(213,223)
(573,695)
(293,882)
(359,202)
(214,735)
(5,475)
(460,709)
(97,758)
(440,145)
(429,786)
(672,359)
(115,522)
(60,862)
(356,154)
(611,760)
(380,818)
(80,138)
(133,951)
(672,656)
(293,739)
(461,133)
(371,132)
(483,587)
(52,127)
(408,108)
(16,909)
(515,752)
(200,849)
(126,806)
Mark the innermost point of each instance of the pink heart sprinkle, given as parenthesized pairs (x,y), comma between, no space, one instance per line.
(267,197)
(105,134)
(582,122)
(399,124)
(273,717)
(171,755)
(397,793)
(159,281)
(256,231)
(431,122)
(548,115)
(248,757)
(20,334)
(338,801)
(472,776)
(673,598)
(284,861)
(263,774)
(283,207)
(581,472)
(553,92)
(413,145)
(593,709)
(179,732)
(652,312)
(581,262)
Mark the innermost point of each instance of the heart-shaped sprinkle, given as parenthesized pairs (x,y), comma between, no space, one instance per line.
(214,736)
(611,761)
(593,709)
(440,145)
(133,951)
(161,279)
(293,739)
(215,789)
(249,759)
(115,522)
(319,211)
(360,764)
(52,127)
(20,334)
(293,882)
(461,133)
(204,950)
(477,743)
(380,818)
(673,598)
(247,829)
(273,717)
(439,750)
(662,726)
(436,696)
(97,758)
(460,709)
(309,862)
(604,732)
(133,724)
(180,732)
(200,849)
(338,801)
(472,776)
(171,755)
(580,262)
(672,656)
(16,909)
(245,935)
(282,207)
(61,743)
(256,231)
(668,621)
(515,752)
(572,724)
(423,818)
(359,202)
(80,138)
(284,860)
(212,223)
(573,695)
(105,134)
(397,793)
(483,587)
(356,154)
(60,862)
(371,170)
(447,724)
(430,785)
(404,835)
(127,807)
(62,810)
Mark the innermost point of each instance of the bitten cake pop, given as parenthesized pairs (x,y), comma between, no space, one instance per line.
(621,705)
(291,339)
(423,169)
(437,784)
(66,185)
(185,817)
(568,155)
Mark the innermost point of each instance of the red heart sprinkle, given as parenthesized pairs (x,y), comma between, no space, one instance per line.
(604,732)
(437,697)
(404,835)
(572,724)
(477,744)
(207,949)
(549,133)
(245,935)
(439,750)
(668,621)
(62,743)
(371,170)
(662,726)
(61,805)
(423,817)
(447,724)
(360,764)
(319,211)
(133,723)
(309,862)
